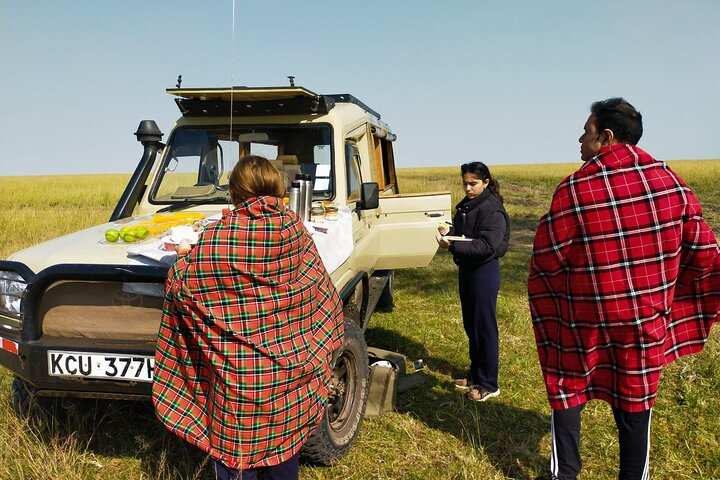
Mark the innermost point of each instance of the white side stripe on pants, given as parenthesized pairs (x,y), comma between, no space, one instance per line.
(553,446)
(646,470)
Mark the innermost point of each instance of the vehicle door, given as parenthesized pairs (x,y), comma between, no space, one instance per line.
(406,223)
(362,219)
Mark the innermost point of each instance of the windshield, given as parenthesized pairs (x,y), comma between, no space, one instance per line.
(198,160)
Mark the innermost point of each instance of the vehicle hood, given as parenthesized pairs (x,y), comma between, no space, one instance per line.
(85,247)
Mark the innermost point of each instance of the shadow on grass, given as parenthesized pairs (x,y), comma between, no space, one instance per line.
(120,430)
(391,340)
(508,435)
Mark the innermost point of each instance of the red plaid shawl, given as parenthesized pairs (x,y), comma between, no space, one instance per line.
(249,325)
(624,279)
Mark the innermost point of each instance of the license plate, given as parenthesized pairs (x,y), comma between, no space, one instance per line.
(138,368)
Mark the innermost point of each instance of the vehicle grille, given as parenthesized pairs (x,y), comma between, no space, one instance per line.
(102,310)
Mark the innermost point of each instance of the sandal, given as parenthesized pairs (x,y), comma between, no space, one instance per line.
(481,394)
(462,383)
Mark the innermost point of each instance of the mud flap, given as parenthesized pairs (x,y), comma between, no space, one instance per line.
(388,377)
(383,389)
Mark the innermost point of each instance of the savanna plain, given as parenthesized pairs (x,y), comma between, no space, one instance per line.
(434,432)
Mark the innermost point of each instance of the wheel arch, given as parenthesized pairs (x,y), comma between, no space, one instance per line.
(357,289)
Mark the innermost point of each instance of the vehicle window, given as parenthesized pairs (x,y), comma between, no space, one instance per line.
(322,158)
(352,168)
(198,159)
(388,163)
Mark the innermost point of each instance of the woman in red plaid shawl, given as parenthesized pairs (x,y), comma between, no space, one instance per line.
(624,279)
(249,325)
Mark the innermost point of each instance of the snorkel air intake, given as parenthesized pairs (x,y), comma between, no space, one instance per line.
(149,135)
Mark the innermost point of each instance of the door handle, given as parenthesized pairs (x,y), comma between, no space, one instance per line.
(434,214)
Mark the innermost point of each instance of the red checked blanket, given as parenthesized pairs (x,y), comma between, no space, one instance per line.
(624,279)
(249,325)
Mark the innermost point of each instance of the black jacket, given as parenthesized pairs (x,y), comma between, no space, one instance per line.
(485,220)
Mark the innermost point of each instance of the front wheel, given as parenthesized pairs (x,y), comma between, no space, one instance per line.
(38,411)
(347,397)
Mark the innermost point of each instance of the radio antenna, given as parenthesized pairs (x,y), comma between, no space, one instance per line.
(232,70)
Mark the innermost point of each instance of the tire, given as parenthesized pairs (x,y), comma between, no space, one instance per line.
(386,301)
(38,411)
(345,408)
(355,305)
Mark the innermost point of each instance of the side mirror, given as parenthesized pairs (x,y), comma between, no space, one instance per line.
(369,196)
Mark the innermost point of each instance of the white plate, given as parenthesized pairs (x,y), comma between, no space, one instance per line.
(177,234)
(452,238)
(138,368)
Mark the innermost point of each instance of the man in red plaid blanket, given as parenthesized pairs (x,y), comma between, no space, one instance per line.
(624,279)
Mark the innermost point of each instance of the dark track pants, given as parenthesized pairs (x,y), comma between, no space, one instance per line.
(479,289)
(288,470)
(633,433)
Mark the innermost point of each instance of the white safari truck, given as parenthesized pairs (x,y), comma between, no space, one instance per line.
(79,314)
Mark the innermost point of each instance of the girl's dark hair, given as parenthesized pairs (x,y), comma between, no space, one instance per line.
(481,171)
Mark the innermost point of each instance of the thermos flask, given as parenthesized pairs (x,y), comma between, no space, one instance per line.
(307,179)
(294,194)
(302,201)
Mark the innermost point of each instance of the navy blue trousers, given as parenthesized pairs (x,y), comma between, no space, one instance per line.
(633,436)
(479,287)
(287,470)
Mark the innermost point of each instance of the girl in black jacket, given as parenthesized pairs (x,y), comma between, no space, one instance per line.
(481,218)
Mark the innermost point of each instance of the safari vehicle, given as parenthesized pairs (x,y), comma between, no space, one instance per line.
(79,315)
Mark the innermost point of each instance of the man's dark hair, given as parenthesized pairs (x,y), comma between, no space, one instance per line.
(618,115)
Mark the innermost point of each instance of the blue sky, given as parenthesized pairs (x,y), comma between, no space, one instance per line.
(504,82)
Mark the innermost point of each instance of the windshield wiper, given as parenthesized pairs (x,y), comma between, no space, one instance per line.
(194,202)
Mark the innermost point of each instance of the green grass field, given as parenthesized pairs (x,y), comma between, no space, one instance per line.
(435,432)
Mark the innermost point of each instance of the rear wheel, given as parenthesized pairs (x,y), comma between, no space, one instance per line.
(347,396)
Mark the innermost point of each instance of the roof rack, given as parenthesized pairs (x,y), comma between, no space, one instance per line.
(347,98)
(247,101)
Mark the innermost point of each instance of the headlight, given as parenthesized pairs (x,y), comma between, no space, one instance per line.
(12,291)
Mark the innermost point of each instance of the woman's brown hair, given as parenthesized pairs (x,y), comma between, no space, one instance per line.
(254,176)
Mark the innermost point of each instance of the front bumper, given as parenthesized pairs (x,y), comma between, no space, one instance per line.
(30,361)
(25,351)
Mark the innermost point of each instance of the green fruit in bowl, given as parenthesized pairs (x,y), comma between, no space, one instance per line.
(112,235)
(129,237)
(142,233)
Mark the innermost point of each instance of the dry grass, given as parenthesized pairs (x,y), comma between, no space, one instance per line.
(39,208)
